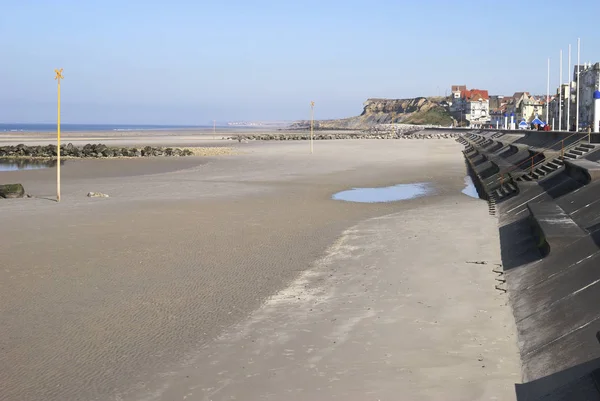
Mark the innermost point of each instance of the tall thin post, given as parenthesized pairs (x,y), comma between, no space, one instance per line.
(569,93)
(578,71)
(58,77)
(560,77)
(312,123)
(548,94)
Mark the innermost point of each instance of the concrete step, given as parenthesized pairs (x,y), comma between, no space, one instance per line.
(548,168)
(568,156)
(577,152)
(512,187)
(587,146)
(554,165)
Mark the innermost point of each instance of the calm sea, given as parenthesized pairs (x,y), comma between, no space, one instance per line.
(93,127)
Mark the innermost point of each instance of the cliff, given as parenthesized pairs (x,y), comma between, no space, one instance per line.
(420,111)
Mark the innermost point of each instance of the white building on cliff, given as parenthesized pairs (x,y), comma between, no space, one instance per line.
(477,107)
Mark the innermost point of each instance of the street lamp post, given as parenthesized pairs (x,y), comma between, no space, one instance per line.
(560,92)
(548,93)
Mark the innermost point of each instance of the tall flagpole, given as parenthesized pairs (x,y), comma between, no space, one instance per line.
(548,94)
(312,123)
(578,71)
(58,77)
(569,76)
(560,92)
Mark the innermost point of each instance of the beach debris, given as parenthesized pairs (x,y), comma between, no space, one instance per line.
(12,191)
(97,195)
(478,262)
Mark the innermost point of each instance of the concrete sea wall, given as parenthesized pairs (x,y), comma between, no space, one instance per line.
(545,187)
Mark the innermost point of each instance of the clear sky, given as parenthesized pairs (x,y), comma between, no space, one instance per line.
(192,61)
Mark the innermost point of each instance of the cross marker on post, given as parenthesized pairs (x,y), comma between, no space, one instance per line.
(58,77)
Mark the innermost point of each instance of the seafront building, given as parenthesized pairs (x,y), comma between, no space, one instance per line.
(476,108)
(589,84)
(470,105)
(567,97)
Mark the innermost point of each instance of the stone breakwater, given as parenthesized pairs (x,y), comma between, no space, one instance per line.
(90,150)
(360,135)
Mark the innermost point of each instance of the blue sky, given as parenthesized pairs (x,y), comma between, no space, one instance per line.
(189,62)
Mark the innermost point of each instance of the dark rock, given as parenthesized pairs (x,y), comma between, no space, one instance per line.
(107,153)
(12,191)
(50,150)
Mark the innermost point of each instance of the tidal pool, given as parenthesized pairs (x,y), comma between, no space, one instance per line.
(470,189)
(26,164)
(385,194)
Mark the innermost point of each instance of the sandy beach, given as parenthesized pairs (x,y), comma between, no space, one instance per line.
(238,277)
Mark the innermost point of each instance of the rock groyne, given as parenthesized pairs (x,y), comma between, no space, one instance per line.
(90,151)
(374,133)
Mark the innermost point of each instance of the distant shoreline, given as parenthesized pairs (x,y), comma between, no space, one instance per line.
(19,128)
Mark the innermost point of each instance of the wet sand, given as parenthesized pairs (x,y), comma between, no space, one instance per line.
(196,268)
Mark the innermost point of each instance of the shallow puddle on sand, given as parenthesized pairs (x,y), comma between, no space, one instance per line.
(26,164)
(470,189)
(385,194)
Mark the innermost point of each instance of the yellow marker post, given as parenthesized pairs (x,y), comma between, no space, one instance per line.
(312,115)
(58,77)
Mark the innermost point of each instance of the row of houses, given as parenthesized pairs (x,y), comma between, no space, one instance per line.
(476,108)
